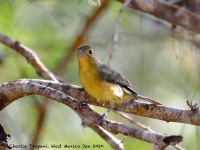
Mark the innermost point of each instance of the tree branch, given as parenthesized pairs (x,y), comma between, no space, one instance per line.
(115,143)
(16,89)
(40,68)
(30,56)
(81,37)
(160,112)
(169,12)
(4,137)
(142,126)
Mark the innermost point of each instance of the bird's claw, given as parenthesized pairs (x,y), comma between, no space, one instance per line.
(81,104)
(104,115)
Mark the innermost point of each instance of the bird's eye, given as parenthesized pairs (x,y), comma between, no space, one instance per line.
(90,51)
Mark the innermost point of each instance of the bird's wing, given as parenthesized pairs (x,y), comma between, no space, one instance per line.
(110,75)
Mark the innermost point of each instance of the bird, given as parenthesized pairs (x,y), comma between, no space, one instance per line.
(103,82)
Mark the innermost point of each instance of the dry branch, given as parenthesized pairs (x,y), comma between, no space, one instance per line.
(4,137)
(116,31)
(171,13)
(160,112)
(32,57)
(41,70)
(142,126)
(115,143)
(16,89)
(81,37)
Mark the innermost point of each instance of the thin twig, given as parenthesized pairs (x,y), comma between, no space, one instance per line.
(80,38)
(115,143)
(116,31)
(29,55)
(131,120)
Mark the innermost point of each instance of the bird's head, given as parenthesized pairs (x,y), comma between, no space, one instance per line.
(85,50)
(86,55)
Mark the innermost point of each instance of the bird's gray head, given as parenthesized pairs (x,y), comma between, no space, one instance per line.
(85,50)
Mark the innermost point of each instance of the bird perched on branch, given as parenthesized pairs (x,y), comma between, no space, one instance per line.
(101,81)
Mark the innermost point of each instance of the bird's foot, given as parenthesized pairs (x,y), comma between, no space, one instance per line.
(104,115)
(81,104)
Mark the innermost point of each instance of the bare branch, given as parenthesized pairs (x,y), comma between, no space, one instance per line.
(194,107)
(169,12)
(193,5)
(4,137)
(30,56)
(16,89)
(160,112)
(81,37)
(43,71)
(142,126)
(116,33)
(115,143)
(131,120)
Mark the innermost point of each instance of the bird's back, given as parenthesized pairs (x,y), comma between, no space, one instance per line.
(110,75)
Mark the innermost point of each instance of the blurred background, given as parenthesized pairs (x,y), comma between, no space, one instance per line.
(142,48)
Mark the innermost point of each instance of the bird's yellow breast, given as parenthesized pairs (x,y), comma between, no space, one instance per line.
(96,86)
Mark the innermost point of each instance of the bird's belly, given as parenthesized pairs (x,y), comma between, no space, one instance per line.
(102,90)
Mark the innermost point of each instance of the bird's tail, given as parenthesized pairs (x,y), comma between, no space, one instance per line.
(147,99)
(141,97)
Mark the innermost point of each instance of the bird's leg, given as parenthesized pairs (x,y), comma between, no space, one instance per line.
(112,104)
(106,113)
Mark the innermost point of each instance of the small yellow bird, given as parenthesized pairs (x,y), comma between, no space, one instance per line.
(104,83)
(100,80)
